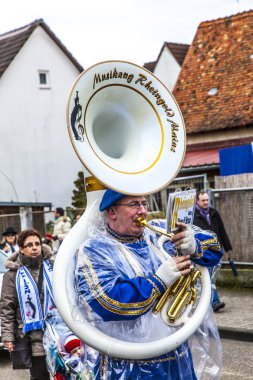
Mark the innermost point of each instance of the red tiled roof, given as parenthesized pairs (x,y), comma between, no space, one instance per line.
(179,52)
(150,66)
(13,41)
(219,61)
(201,157)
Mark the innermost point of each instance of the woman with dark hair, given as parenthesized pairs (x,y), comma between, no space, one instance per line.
(25,302)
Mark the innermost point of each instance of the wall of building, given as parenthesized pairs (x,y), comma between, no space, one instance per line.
(167,69)
(9,221)
(36,154)
(219,136)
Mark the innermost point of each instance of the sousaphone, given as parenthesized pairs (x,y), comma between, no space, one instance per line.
(129,133)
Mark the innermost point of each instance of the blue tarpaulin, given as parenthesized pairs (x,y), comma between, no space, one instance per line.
(236,160)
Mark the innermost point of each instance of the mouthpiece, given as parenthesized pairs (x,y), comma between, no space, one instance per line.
(160,231)
(142,222)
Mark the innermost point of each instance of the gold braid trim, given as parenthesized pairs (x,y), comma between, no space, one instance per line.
(114,302)
(108,307)
(159,280)
(154,285)
(196,253)
(207,244)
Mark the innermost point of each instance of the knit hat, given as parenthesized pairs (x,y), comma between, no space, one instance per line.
(49,237)
(110,197)
(71,343)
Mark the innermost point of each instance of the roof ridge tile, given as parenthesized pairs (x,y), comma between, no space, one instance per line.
(11,43)
(224,19)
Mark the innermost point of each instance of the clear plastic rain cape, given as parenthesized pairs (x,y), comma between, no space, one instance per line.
(61,364)
(113,275)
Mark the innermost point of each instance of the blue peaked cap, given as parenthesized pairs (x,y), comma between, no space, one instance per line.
(109,198)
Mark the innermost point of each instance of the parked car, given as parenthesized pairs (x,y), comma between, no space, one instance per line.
(3,257)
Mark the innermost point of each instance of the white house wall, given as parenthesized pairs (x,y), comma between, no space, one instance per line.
(36,153)
(167,69)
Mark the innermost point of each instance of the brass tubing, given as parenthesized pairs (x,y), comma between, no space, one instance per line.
(93,184)
(165,296)
(176,308)
(185,285)
(178,284)
(196,275)
(177,304)
(142,222)
(169,292)
(194,295)
(179,290)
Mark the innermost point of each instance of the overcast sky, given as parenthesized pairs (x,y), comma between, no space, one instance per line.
(131,30)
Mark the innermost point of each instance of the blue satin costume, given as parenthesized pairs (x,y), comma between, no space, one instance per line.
(120,296)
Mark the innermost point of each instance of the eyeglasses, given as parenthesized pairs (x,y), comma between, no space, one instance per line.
(10,235)
(134,205)
(30,245)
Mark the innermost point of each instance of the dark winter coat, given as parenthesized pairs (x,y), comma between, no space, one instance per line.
(216,226)
(11,320)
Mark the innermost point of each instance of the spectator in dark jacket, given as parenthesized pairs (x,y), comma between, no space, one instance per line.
(208,218)
(24,303)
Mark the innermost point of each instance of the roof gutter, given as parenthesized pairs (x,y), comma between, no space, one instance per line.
(202,168)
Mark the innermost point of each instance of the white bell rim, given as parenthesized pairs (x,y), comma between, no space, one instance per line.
(162,163)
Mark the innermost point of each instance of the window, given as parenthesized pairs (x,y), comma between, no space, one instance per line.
(213,91)
(44,79)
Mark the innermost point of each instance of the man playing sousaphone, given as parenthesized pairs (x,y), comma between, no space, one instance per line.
(122,274)
(133,141)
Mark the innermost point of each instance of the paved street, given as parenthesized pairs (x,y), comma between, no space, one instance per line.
(237,354)
(238,311)
(237,360)
(6,372)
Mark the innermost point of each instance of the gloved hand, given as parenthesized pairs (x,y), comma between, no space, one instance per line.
(168,272)
(173,268)
(184,239)
(189,243)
